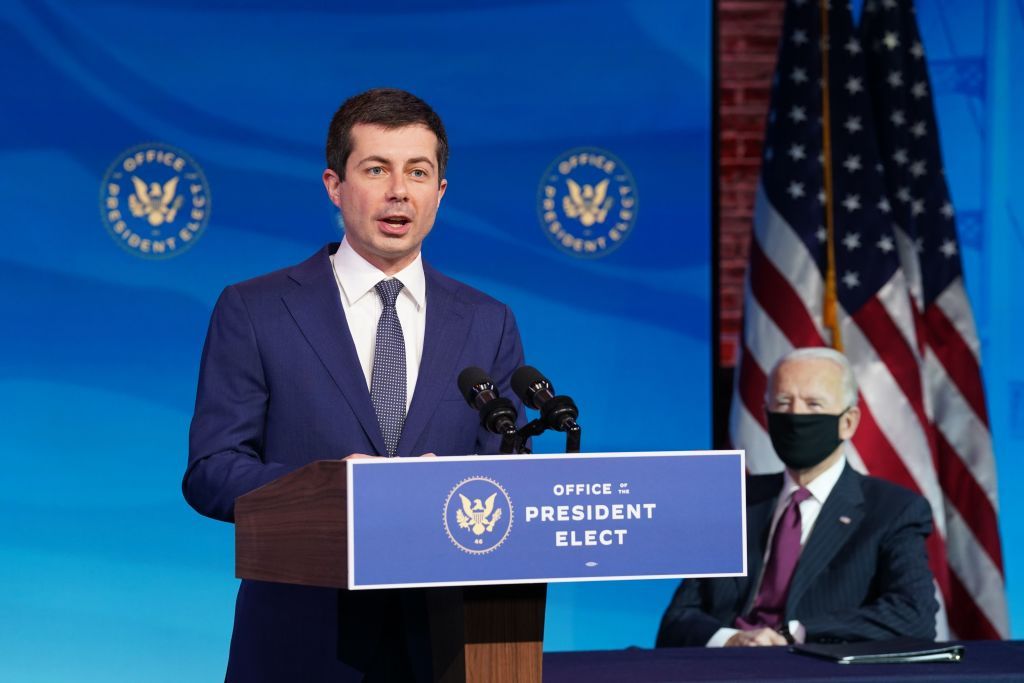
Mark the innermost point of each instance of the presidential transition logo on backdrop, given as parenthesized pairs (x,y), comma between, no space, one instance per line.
(155,200)
(587,202)
(477,515)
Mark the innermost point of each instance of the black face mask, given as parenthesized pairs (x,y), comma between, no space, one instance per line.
(803,441)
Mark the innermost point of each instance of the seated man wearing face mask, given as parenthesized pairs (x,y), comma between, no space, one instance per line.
(832,555)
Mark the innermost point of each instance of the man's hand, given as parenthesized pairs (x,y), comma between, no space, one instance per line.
(755,638)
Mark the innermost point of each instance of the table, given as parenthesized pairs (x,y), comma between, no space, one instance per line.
(983,661)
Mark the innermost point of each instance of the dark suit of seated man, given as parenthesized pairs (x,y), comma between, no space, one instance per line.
(833,555)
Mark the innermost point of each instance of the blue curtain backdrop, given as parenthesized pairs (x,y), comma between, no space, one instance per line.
(107,574)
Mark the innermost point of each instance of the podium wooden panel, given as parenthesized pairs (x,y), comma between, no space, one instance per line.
(294,530)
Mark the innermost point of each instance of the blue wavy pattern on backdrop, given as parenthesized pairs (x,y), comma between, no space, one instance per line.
(107,574)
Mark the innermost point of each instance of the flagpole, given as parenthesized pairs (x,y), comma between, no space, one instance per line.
(830,305)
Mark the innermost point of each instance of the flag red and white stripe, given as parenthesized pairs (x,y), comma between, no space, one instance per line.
(924,223)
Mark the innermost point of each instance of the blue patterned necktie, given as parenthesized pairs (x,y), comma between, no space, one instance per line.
(387,379)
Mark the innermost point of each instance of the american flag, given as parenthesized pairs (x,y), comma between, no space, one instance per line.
(923,221)
(825,268)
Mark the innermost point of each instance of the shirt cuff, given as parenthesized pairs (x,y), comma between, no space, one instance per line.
(797,630)
(721,636)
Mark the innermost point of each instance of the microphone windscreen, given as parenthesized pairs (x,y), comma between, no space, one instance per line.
(469,378)
(521,381)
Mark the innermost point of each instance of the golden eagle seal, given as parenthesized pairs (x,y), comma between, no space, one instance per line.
(587,202)
(155,201)
(158,203)
(477,515)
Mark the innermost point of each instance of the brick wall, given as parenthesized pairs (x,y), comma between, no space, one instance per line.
(748,36)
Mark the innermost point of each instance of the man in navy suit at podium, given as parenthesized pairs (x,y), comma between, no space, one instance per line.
(833,555)
(352,353)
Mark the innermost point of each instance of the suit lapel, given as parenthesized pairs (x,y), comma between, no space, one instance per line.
(316,308)
(846,501)
(446,331)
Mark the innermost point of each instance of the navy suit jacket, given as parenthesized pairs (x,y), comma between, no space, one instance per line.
(280,386)
(862,575)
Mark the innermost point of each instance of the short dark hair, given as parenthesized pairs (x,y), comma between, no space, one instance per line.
(388,108)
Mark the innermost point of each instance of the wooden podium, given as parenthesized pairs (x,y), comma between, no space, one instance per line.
(294,530)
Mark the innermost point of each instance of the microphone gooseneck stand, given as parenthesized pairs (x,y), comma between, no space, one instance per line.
(573,435)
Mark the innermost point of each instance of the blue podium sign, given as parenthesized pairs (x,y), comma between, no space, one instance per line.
(545,518)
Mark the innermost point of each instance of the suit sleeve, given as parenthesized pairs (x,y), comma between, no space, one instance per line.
(905,604)
(508,359)
(685,623)
(226,435)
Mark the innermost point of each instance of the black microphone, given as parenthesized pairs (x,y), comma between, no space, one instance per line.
(497,414)
(557,412)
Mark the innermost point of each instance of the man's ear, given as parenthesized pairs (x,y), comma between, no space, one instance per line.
(848,422)
(440,190)
(332,183)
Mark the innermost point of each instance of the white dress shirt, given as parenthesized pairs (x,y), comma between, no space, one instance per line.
(357,278)
(810,508)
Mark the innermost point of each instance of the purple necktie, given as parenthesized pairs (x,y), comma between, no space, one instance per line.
(771,598)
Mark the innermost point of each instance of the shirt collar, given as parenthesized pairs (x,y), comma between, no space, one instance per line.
(822,485)
(358,277)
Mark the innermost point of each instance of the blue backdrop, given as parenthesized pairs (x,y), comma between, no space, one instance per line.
(107,574)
